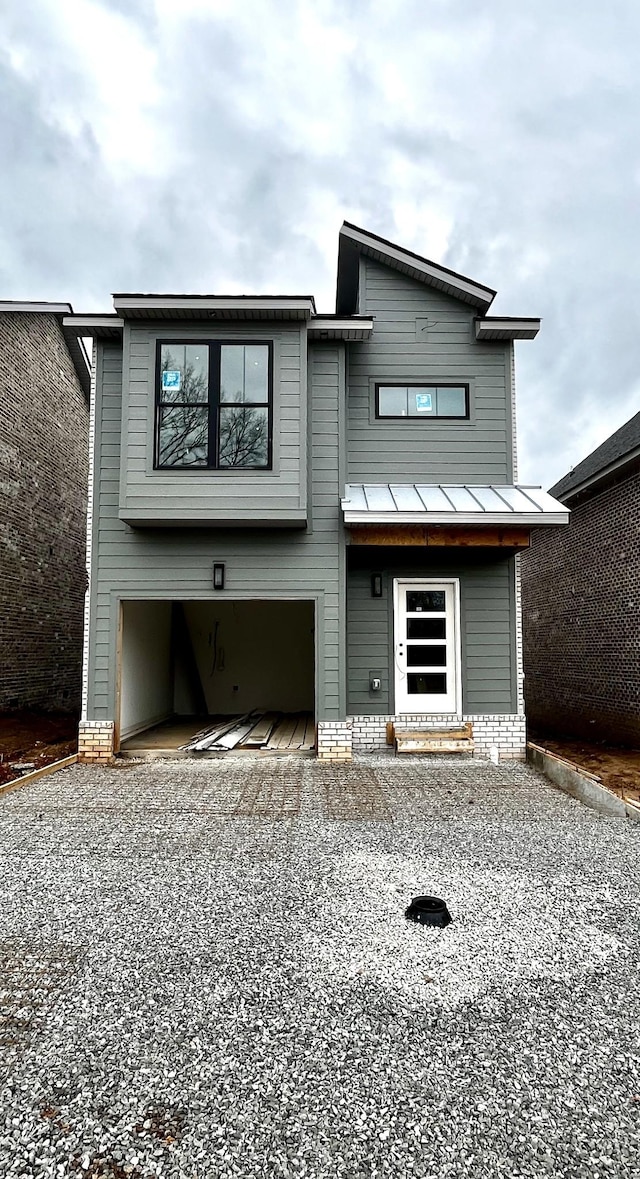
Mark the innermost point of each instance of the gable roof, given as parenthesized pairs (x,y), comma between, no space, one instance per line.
(607,461)
(355,241)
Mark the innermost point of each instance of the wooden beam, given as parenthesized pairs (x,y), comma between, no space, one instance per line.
(470,536)
(464,536)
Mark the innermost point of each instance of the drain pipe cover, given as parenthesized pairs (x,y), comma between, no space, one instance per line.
(429,911)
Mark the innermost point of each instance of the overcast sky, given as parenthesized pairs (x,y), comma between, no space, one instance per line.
(217,145)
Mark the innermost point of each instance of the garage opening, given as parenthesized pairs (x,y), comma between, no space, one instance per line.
(197,677)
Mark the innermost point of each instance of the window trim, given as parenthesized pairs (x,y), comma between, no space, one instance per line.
(213,404)
(444,417)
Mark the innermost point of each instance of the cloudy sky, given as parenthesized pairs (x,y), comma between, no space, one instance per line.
(217,145)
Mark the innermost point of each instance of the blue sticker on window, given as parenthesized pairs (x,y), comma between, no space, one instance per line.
(171,379)
(423,402)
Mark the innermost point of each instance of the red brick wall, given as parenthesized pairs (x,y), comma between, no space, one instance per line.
(44,422)
(581,620)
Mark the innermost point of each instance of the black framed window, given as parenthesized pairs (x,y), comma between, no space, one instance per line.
(213,405)
(422,401)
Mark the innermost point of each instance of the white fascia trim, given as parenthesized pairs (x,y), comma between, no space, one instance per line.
(84,325)
(506,328)
(428,270)
(505,520)
(178,303)
(319,323)
(51,308)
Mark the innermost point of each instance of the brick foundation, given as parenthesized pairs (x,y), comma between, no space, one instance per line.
(506,733)
(95,741)
(334,740)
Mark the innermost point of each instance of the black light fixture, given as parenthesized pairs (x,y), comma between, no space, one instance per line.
(218,576)
(376,585)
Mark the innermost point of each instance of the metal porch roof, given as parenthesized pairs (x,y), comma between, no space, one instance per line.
(436,503)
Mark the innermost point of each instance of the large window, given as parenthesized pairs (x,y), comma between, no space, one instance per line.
(422,401)
(213,405)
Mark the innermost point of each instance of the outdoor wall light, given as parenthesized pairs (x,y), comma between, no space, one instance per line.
(376,585)
(218,576)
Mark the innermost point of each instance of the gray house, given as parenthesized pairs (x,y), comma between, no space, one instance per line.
(305,515)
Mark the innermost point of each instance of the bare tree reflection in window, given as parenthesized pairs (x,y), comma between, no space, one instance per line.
(183,436)
(184,416)
(244,437)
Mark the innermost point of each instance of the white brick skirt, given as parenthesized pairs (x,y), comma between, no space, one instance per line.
(95,741)
(499,736)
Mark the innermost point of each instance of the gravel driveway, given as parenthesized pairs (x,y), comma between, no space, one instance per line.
(206,972)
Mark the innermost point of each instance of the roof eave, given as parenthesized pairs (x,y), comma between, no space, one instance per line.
(494,327)
(207,306)
(96,326)
(337,327)
(455,519)
(599,479)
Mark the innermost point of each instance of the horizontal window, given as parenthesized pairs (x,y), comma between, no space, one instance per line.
(213,405)
(422,401)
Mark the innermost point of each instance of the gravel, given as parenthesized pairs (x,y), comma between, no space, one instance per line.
(206,971)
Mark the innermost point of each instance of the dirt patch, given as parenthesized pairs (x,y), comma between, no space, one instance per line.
(31,740)
(617,768)
(353,792)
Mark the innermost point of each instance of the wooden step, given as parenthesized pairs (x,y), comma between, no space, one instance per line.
(422,744)
(457,738)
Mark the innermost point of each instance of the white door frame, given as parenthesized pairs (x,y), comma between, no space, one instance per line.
(450,583)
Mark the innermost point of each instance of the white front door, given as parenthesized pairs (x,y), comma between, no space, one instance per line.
(427,645)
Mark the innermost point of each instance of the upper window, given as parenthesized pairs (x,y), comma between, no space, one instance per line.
(422,401)
(213,405)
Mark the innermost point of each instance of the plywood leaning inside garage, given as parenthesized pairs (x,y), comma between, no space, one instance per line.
(272,731)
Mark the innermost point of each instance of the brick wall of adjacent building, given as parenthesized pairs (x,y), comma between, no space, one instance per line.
(581,617)
(43,492)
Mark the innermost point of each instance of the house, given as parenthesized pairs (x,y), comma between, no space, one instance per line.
(44,427)
(294,512)
(582,601)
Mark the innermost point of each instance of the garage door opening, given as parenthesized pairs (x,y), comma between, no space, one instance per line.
(189,670)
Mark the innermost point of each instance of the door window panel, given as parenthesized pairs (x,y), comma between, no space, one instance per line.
(419,601)
(426,655)
(426,684)
(426,628)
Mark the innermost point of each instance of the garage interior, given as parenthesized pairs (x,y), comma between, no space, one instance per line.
(216,676)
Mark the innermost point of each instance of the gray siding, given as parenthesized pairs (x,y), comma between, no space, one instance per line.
(421,335)
(164,564)
(278,496)
(487,609)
